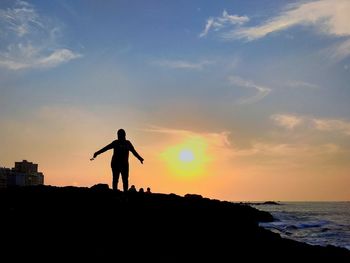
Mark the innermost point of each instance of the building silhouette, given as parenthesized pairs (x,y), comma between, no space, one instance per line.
(23,174)
(3,176)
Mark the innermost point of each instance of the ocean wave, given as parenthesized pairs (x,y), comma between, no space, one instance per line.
(313,223)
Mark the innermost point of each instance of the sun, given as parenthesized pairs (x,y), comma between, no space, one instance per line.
(186,155)
(187,158)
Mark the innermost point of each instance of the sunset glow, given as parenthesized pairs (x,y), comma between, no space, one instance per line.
(235,100)
(187,158)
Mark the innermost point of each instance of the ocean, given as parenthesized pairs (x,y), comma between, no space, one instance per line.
(315,223)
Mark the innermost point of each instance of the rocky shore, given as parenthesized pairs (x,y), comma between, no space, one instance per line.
(75,223)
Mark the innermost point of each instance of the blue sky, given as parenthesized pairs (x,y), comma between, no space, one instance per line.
(272,77)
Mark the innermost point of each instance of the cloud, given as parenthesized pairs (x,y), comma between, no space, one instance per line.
(27,56)
(220,144)
(218,139)
(332,125)
(302,84)
(208,25)
(290,121)
(327,16)
(287,121)
(183,64)
(29,40)
(339,51)
(57,57)
(20,19)
(276,150)
(261,91)
(223,21)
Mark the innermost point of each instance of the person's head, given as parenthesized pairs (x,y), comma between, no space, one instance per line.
(132,188)
(121,134)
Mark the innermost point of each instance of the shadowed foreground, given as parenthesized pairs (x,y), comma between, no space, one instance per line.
(71,223)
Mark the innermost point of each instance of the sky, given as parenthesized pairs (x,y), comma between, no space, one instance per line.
(233,100)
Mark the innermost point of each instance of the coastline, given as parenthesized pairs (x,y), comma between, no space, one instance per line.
(46,222)
(316,223)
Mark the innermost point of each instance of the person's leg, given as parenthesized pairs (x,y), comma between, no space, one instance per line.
(125,176)
(116,172)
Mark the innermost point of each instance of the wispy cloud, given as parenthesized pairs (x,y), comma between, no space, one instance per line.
(302,84)
(221,141)
(327,17)
(291,121)
(339,51)
(332,125)
(27,56)
(182,64)
(261,91)
(223,21)
(277,150)
(208,26)
(29,39)
(218,139)
(287,121)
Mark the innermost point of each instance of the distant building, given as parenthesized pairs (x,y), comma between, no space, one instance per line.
(23,174)
(4,172)
(25,167)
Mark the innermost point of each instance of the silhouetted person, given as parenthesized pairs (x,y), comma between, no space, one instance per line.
(148,191)
(132,189)
(120,159)
(141,190)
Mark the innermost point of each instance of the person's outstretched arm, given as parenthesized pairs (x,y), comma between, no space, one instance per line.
(134,152)
(106,148)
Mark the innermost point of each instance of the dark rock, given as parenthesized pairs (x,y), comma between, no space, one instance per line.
(100,187)
(81,224)
(193,196)
(263,203)
(270,203)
